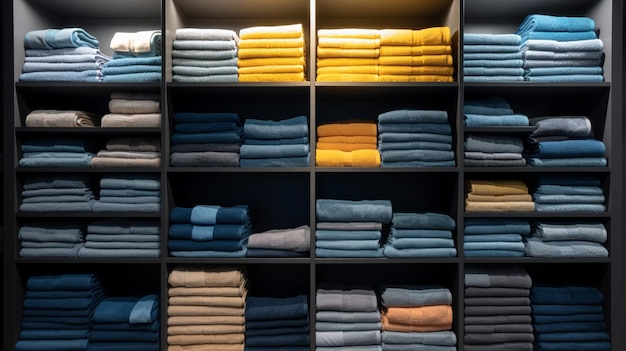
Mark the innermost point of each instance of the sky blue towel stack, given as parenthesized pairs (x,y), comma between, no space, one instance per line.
(569,193)
(420,235)
(122,238)
(39,239)
(133,110)
(204,55)
(569,317)
(491,111)
(353,233)
(483,150)
(277,322)
(57,193)
(62,55)
(58,312)
(492,58)
(415,138)
(497,308)
(565,239)
(56,152)
(495,237)
(129,192)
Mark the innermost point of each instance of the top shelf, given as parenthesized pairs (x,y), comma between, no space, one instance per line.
(100,9)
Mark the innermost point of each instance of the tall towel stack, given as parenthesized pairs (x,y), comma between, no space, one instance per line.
(482,150)
(347,144)
(280,323)
(61,119)
(279,143)
(129,152)
(209,231)
(206,139)
(136,57)
(495,237)
(62,55)
(206,309)
(564,239)
(50,239)
(569,317)
(140,192)
(569,193)
(420,235)
(122,238)
(272,54)
(57,193)
(58,312)
(497,196)
(497,308)
(52,151)
(561,49)
(126,323)
(415,138)
(348,228)
(133,110)
(284,242)
(347,317)
(492,58)
(491,111)
(348,55)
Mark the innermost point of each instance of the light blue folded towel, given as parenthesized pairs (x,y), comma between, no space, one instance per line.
(109,253)
(204,45)
(562,63)
(494,245)
(90,58)
(441,252)
(490,39)
(492,237)
(477,120)
(560,36)
(130,69)
(416,155)
(492,105)
(71,51)
(419,243)
(131,199)
(591,78)
(302,161)
(420,233)
(61,67)
(493,63)
(322,234)
(571,55)
(50,252)
(274,151)
(570,207)
(497,226)
(364,244)
(492,56)
(335,253)
(131,181)
(347,338)
(563,46)
(294,127)
(493,79)
(58,76)
(133,77)
(538,248)
(570,71)
(412,164)
(82,161)
(231,62)
(595,232)
(329,210)
(493,71)
(204,54)
(414,145)
(407,295)
(193,71)
(548,23)
(59,38)
(413,116)
(135,61)
(493,143)
(491,49)
(556,189)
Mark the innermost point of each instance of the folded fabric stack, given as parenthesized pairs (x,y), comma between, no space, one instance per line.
(347,144)
(209,231)
(126,323)
(283,143)
(52,151)
(50,239)
(129,152)
(423,55)
(61,119)
(567,240)
(58,312)
(347,318)
(209,139)
(415,138)
(561,49)
(289,242)
(129,193)
(133,110)
(493,151)
(495,237)
(420,235)
(206,309)
(350,233)
(122,238)
(492,58)
(62,55)
(136,57)
(69,192)
(564,141)
(272,54)
(569,317)
(497,196)
(497,308)
(348,55)
(569,193)
(490,112)
(416,317)
(277,323)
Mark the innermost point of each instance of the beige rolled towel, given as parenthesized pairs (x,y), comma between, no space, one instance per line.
(203,320)
(218,301)
(207,347)
(215,328)
(233,338)
(61,118)
(204,311)
(141,120)
(209,291)
(209,277)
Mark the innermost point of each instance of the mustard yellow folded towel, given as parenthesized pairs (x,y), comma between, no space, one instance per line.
(271,61)
(204,311)
(206,347)
(400,50)
(272,69)
(233,338)
(272,43)
(348,70)
(272,77)
(348,43)
(357,139)
(204,320)
(511,206)
(413,37)
(347,129)
(423,60)
(346,61)
(208,291)
(269,32)
(345,146)
(498,198)
(413,70)
(220,301)
(337,52)
(356,158)
(272,52)
(496,187)
(362,33)
(208,277)
(397,78)
(347,77)
(205,329)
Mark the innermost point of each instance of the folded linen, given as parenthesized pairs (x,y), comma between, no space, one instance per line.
(420,37)
(419,243)
(148,120)
(408,137)
(349,211)
(272,77)
(414,295)
(547,23)
(594,232)
(189,231)
(434,128)
(568,148)
(295,30)
(490,39)
(420,233)
(343,253)
(510,276)
(328,235)
(59,38)
(424,64)
(494,143)
(61,118)
(272,43)
(293,127)
(204,159)
(496,187)
(416,155)
(270,308)
(392,252)
(570,248)
(413,116)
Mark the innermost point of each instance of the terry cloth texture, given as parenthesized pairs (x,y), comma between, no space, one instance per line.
(492,57)
(275,143)
(61,118)
(277,322)
(127,152)
(495,237)
(494,150)
(578,193)
(51,151)
(280,241)
(50,239)
(491,111)
(205,55)
(122,237)
(420,235)
(57,193)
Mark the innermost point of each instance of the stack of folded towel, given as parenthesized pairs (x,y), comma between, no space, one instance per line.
(206,139)
(272,54)
(206,309)
(561,49)
(133,110)
(420,235)
(569,193)
(282,143)
(62,55)
(288,242)
(569,317)
(567,240)
(126,323)
(497,308)
(61,119)
(491,111)
(129,193)
(52,151)
(422,55)
(415,138)
(58,312)
(564,141)
(348,317)
(136,57)
(347,144)
(209,231)
(495,237)
(278,323)
(129,152)
(482,150)
(497,195)
(122,238)
(204,55)
(492,58)
(348,55)
(69,192)
(50,239)
(351,242)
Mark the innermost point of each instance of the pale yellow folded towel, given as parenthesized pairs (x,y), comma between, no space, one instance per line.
(232,338)
(204,311)
(498,198)
(413,37)
(205,329)
(219,301)
(268,32)
(397,78)
(423,60)
(272,52)
(347,53)
(347,77)
(511,206)
(272,77)
(348,70)
(208,277)
(202,320)
(272,69)
(347,129)
(348,43)
(362,33)
(338,158)
(272,61)
(272,43)
(400,50)
(346,61)
(496,187)
(207,347)
(415,70)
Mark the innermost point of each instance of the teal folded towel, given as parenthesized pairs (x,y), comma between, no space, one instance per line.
(274,151)
(59,38)
(420,233)
(135,61)
(413,116)
(493,71)
(194,71)
(350,211)
(569,71)
(595,232)
(547,23)
(492,106)
(491,49)
(490,39)
(294,127)
(477,120)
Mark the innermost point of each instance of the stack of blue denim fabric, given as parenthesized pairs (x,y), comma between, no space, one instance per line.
(495,237)
(140,192)
(114,237)
(567,239)
(277,323)
(50,239)
(57,193)
(420,235)
(492,58)
(569,193)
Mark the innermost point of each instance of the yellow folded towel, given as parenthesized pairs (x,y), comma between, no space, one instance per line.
(356,158)
(204,311)
(511,206)
(397,78)
(272,52)
(498,198)
(204,320)
(412,37)
(349,33)
(207,277)
(272,43)
(205,329)
(346,61)
(348,43)
(347,77)
(347,129)
(413,70)
(423,60)
(272,69)
(337,52)
(270,32)
(496,187)
(206,347)
(209,291)
(220,301)
(233,338)
(400,50)
(357,139)
(272,77)
(348,70)
(345,146)
(271,61)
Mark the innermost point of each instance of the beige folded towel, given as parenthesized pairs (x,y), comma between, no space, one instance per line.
(207,347)
(209,291)
(134,144)
(498,198)
(205,320)
(207,277)
(143,120)
(233,338)
(134,106)
(205,329)
(204,311)
(510,206)
(61,118)
(218,301)
(496,187)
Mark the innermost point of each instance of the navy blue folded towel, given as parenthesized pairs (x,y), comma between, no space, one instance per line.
(271,308)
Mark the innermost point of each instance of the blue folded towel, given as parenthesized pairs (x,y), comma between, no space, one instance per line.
(569,327)
(413,116)
(559,36)
(294,127)
(572,318)
(556,189)
(322,234)
(189,231)
(416,155)
(59,38)
(568,199)
(303,161)
(100,206)
(210,215)
(493,56)
(253,252)
(595,232)
(410,164)
(348,244)
(52,345)
(413,145)
(420,233)
(220,78)
(568,180)
(133,77)
(272,330)
(321,252)
(56,144)
(434,128)
(492,106)
(88,76)
(433,339)
(493,143)
(558,310)
(53,334)
(419,243)
(573,345)
(287,141)
(497,226)
(492,79)
(131,181)
(547,23)
(135,61)
(63,282)
(211,245)
(490,39)
(79,206)
(273,151)
(272,308)
(204,127)
(543,294)
(568,248)
(347,338)
(133,70)
(133,310)
(109,253)
(392,252)
(566,78)
(406,295)
(492,72)
(492,238)
(568,162)
(122,336)
(205,117)
(410,137)
(73,303)
(338,326)
(329,210)
(570,208)
(230,136)
(476,120)
(61,67)
(508,67)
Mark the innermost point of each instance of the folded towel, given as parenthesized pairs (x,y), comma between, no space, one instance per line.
(213,277)
(272,32)
(272,77)
(494,143)
(496,187)
(510,276)
(294,239)
(348,43)
(414,295)
(208,232)
(424,64)
(347,338)
(569,248)
(347,77)
(204,159)
(293,127)
(595,232)
(60,118)
(491,39)
(59,38)
(547,23)
(356,158)
(349,211)
(248,53)
(421,37)
(269,308)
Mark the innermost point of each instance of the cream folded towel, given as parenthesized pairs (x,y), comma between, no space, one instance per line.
(232,338)
(206,347)
(209,291)
(218,301)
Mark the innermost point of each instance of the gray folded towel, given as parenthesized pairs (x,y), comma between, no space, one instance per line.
(146,144)
(293,239)
(142,120)
(61,118)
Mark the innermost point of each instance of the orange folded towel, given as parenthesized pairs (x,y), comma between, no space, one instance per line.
(402,50)
(272,77)
(270,32)
(496,187)
(345,146)
(357,139)
(406,328)
(414,78)
(272,69)
(509,206)
(340,77)
(356,158)
(498,198)
(205,320)
(349,33)
(348,70)
(412,37)
(208,277)
(194,339)
(346,61)
(416,70)
(206,347)
(349,43)
(271,52)
(422,316)
(348,53)
(347,129)
(423,60)
(272,43)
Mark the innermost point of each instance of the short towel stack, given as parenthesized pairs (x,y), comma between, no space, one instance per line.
(122,238)
(497,308)
(347,144)
(349,242)
(492,58)
(348,55)
(415,138)
(61,119)
(497,196)
(287,242)
(567,240)
(420,235)
(275,143)
(206,139)
(272,54)
(51,151)
(209,231)
(57,193)
(491,111)
(50,239)
(133,110)
(204,55)
(206,309)
(569,193)
(129,193)
(129,152)
(482,150)
(136,57)
(495,237)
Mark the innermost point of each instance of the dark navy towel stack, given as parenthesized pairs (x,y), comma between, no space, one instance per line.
(569,193)
(420,235)
(129,192)
(492,58)
(495,237)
